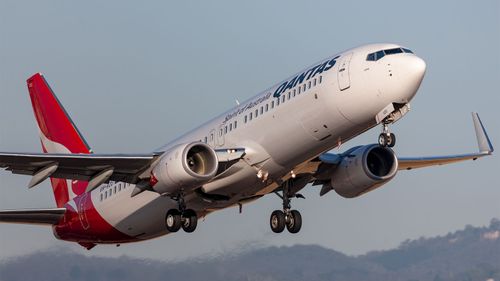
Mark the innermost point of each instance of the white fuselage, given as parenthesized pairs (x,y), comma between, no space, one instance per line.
(280,134)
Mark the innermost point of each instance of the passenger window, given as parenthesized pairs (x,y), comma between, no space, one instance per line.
(221,132)
(272,104)
(261,109)
(246,118)
(225,130)
(314,82)
(309,85)
(235,124)
(320,79)
(267,107)
(289,95)
(300,89)
(231,127)
(303,90)
(101,196)
(294,92)
(278,101)
(256,113)
(283,98)
(211,137)
(251,115)
(206,140)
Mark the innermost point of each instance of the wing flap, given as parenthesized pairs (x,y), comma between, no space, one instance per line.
(33,216)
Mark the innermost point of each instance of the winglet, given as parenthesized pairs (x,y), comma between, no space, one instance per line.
(483,141)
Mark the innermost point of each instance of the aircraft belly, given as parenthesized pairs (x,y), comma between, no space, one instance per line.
(136,216)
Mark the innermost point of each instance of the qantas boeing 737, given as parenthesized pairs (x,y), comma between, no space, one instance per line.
(276,142)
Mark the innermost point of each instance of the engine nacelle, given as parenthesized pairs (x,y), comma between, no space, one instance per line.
(364,170)
(184,166)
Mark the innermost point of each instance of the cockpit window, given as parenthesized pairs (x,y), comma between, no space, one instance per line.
(407,50)
(393,51)
(380,54)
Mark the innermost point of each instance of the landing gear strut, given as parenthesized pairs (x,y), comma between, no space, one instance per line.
(386,139)
(181,217)
(291,219)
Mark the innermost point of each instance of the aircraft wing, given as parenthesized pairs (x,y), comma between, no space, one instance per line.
(484,143)
(33,216)
(126,168)
(95,168)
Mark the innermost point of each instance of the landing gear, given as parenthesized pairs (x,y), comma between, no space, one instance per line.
(294,222)
(386,139)
(291,219)
(277,221)
(182,217)
(189,221)
(173,220)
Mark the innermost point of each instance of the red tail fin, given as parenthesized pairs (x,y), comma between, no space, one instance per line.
(58,134)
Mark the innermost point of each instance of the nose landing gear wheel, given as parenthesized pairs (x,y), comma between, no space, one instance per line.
(392,140)
(277,221)
(387,140)
(382,139)
(173,220)
(189,221)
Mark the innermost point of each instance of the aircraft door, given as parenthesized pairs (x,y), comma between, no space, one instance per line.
(343,72)
(83,205)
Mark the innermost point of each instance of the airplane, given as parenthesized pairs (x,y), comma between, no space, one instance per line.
(276,142)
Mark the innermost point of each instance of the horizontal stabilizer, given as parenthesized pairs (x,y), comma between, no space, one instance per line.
(33,216)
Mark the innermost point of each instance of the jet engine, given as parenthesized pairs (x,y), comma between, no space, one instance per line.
(364,170)
(184,166)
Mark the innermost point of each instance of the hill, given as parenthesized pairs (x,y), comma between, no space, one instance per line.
(469,254)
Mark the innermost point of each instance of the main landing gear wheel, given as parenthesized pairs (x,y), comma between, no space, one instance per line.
(294,221)
(277,221)
(173,220)
(189,221)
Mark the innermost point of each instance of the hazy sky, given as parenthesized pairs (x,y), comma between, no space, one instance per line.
(135,75)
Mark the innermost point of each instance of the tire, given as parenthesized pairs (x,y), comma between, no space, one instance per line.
(189,221)
(392,140)
(277,221)
(173,220)
(294,223)
(382,140)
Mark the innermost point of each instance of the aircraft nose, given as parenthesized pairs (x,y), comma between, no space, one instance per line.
(416,68)
(408,71)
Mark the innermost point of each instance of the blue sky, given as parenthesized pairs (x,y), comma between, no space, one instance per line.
(136,76)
